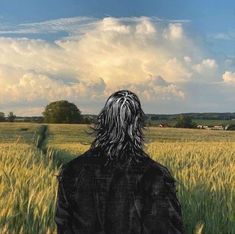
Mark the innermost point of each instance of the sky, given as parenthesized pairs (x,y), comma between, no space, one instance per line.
(177,56)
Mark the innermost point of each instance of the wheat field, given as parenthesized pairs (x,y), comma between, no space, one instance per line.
(27,190)
(204,168)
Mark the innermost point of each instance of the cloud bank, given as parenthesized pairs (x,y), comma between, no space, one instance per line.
(95,57)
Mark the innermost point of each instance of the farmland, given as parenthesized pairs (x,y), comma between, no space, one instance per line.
(23,132)
(202,161)
(208,122)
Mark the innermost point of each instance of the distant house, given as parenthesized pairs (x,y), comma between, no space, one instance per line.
(202,127)
(163,125)
(218,127)
(36,119)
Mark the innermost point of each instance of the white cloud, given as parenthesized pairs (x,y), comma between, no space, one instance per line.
(210,63)
(206,65)
(229,77)
(176,71)
(174,31)
(113,25)
(152,89)
(79,25)
(35,87)
(145,27)
(187,59)
(99,56)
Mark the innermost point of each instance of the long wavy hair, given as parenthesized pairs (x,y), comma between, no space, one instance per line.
(119,128)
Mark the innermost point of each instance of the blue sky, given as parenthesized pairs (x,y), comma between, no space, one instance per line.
(184,49)
(207,16)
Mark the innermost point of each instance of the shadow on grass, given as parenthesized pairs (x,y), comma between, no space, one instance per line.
(63,156)
(40,136)
(41,142)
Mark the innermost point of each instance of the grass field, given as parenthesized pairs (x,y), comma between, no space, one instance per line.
(208,122)
(202,161)
(27,190)
(23,132)
(77,133)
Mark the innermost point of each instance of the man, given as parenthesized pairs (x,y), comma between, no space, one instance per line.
(115,187)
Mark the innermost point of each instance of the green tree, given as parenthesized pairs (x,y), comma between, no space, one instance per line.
(2,117)
(62,112)
(11,117)
(184,121)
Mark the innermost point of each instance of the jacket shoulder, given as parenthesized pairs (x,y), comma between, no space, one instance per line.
(155,168)
(157,176)
(75,165)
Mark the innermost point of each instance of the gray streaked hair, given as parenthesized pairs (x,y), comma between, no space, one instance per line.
(119,127)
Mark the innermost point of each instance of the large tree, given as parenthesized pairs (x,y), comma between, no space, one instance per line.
(184,121)
(2,117)
(62,112)
(11,117)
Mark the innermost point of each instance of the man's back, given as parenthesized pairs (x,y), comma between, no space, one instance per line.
(119,198)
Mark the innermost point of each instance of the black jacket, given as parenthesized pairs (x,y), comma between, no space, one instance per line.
(119,199)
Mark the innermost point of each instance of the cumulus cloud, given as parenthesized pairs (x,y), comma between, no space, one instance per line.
(176,71)
(206,65)
(229,77)
(174,31)
(98,56)
(187,59)
(145,27)
(154,89)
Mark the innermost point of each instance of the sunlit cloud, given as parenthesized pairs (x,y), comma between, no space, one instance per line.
(206,65)
(96,57)
(229,77)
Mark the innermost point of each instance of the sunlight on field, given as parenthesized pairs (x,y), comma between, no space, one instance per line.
(27,190)
(183,135)
(206,181)
(203,163)
(69,133)
(72,148)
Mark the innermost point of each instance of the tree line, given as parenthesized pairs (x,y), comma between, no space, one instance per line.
(201,116)
(10,117)
(63,111)
(55,112)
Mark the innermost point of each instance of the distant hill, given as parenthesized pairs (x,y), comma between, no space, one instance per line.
(204,116)
(206,119)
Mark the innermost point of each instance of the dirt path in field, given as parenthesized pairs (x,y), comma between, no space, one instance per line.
(42,135)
